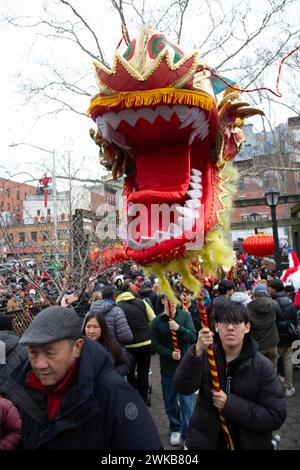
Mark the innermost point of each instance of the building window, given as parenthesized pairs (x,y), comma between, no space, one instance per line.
(241,184)
(45,236)
(8,206)
(21,237)
(38,212)
(18,208)
(2,205)
(33,236)
(48,211)
(8,192)
(18,195)
(266,181)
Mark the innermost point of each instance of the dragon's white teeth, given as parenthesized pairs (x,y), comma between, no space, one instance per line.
(195,185)
(194,194)
(186,223)
(196,179)
(192,203)
(196,172)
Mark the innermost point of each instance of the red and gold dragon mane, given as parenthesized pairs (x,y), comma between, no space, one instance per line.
(172,128)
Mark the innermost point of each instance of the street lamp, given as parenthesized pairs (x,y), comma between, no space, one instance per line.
(52,152)
(272,196)
(255,217)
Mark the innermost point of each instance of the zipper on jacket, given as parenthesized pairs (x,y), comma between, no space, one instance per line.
(228,381)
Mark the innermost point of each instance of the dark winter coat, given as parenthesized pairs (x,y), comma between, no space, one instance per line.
(194,311)
(137,314)
(285,311)
(157,305)
(162,343)
(263,322)
(115,318)
(15,353)
(10,425)
(100,411)
(255,403)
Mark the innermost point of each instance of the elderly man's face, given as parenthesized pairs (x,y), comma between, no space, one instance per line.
(51,362)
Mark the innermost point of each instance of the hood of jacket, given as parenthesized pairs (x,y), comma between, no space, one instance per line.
(240,297)
(249,349)
(262,306)
(125,297)
(11,341)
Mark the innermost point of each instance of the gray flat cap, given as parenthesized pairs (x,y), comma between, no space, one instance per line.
(50,325)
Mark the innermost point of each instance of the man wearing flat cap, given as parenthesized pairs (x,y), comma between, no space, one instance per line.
(69,395)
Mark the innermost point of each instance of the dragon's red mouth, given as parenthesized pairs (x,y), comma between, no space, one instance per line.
(172,176)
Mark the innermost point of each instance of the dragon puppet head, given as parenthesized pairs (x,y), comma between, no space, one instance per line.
(170,125)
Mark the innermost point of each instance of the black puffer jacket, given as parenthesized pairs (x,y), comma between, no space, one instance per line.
(285,311)
(263,322)
(100,411)
(255,403)
(15,353)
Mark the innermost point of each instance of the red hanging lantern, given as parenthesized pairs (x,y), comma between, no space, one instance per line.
(259,245)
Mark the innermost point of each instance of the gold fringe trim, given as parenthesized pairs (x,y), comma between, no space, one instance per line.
(181,266)
(152,97)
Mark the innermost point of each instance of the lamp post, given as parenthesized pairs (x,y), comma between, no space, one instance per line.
(272,196)
(52,152)
(254,216)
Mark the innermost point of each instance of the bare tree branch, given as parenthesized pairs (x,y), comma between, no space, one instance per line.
(118,5)
(76,13)
(249,38)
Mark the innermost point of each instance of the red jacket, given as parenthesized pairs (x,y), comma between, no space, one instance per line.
(297,300)
(10,425)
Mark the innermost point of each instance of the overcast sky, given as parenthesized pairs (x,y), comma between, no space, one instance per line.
(25,55)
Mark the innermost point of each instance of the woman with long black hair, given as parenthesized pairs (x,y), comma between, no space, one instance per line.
(95,328)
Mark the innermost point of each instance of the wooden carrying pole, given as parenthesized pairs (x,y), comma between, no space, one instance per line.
(174,335)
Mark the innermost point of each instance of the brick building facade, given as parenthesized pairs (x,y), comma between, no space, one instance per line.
(12,196)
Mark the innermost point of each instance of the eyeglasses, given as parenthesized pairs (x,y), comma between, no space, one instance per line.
(232,323)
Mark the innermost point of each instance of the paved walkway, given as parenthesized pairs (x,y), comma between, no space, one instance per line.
(289,432)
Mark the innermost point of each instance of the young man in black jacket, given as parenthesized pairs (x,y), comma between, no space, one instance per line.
(251,398)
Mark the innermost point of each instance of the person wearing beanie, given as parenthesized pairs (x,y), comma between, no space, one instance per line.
(68,394)
(263,323)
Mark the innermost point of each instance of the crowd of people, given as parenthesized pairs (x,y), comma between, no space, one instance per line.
(78,376)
